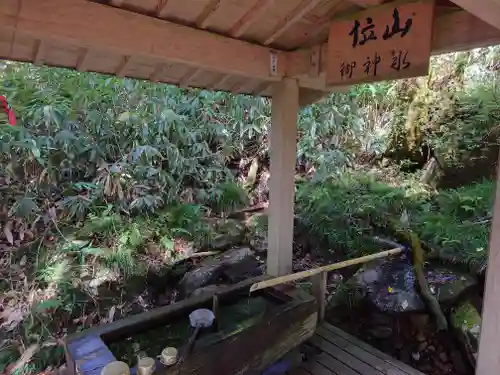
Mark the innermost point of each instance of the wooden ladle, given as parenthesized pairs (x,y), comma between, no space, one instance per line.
(200,318)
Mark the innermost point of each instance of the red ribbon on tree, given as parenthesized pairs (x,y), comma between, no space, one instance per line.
(10,113)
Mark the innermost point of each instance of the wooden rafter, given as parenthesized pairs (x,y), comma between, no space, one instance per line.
(120,70)
(261,89)
(188,77)
(157,72)
(367,3)
(68,22)
(250,17)
(486,10)
(39,52)
(323,23)
(83,58)
(300,11)
(219,82)
(160,8)
(117,3)
(245,87)
(202,20)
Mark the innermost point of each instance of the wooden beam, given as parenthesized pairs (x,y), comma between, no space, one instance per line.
(285,109)
(122,66)
(210,8)
(220,81)
(250,17)
(367,3)
(310,96)
(188,77)
(486,10)
(261,89)
(249,87)
(300,11)
(488,361)
(83,58)
(38,52)
(158,71)
(460,31)
(68,21)
(117,3)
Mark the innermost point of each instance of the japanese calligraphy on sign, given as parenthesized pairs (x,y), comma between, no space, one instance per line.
(387,42)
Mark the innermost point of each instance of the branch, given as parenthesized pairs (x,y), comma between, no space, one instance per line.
(422,286)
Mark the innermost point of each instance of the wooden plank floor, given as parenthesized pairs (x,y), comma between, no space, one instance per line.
(338,353)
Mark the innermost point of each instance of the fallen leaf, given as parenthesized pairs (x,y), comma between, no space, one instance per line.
(12,317)
(7,230)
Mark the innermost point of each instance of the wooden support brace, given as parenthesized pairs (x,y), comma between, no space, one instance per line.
(285,108)
(319,292)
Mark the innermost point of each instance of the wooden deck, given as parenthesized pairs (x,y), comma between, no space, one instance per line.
(338,353)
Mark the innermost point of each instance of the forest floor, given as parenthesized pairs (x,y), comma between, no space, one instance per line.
(68,281)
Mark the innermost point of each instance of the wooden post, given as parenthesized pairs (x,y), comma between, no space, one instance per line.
(489,359)
(319,292)
(283,146)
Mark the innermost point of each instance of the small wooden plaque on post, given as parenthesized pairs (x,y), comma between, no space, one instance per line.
(387,42)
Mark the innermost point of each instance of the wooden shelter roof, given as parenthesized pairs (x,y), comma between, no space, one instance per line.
(240,46)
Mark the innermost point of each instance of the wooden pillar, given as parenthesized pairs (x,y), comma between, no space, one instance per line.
(319,284)
(283,146)
(489,356)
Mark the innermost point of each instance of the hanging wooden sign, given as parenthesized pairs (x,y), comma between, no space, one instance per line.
(387,42)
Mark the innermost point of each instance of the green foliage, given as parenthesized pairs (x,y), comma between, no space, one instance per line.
(348,212)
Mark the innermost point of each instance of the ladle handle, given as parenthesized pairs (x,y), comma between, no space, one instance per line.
(190,343)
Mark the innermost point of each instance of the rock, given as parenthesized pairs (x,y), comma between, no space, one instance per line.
(234,256)
(381,332)
(230,233)
(416,356)
(199,277)
(389,285)
(209,289)
(245,269)
(211,269)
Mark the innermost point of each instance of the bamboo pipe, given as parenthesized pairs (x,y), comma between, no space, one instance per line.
(335,266)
